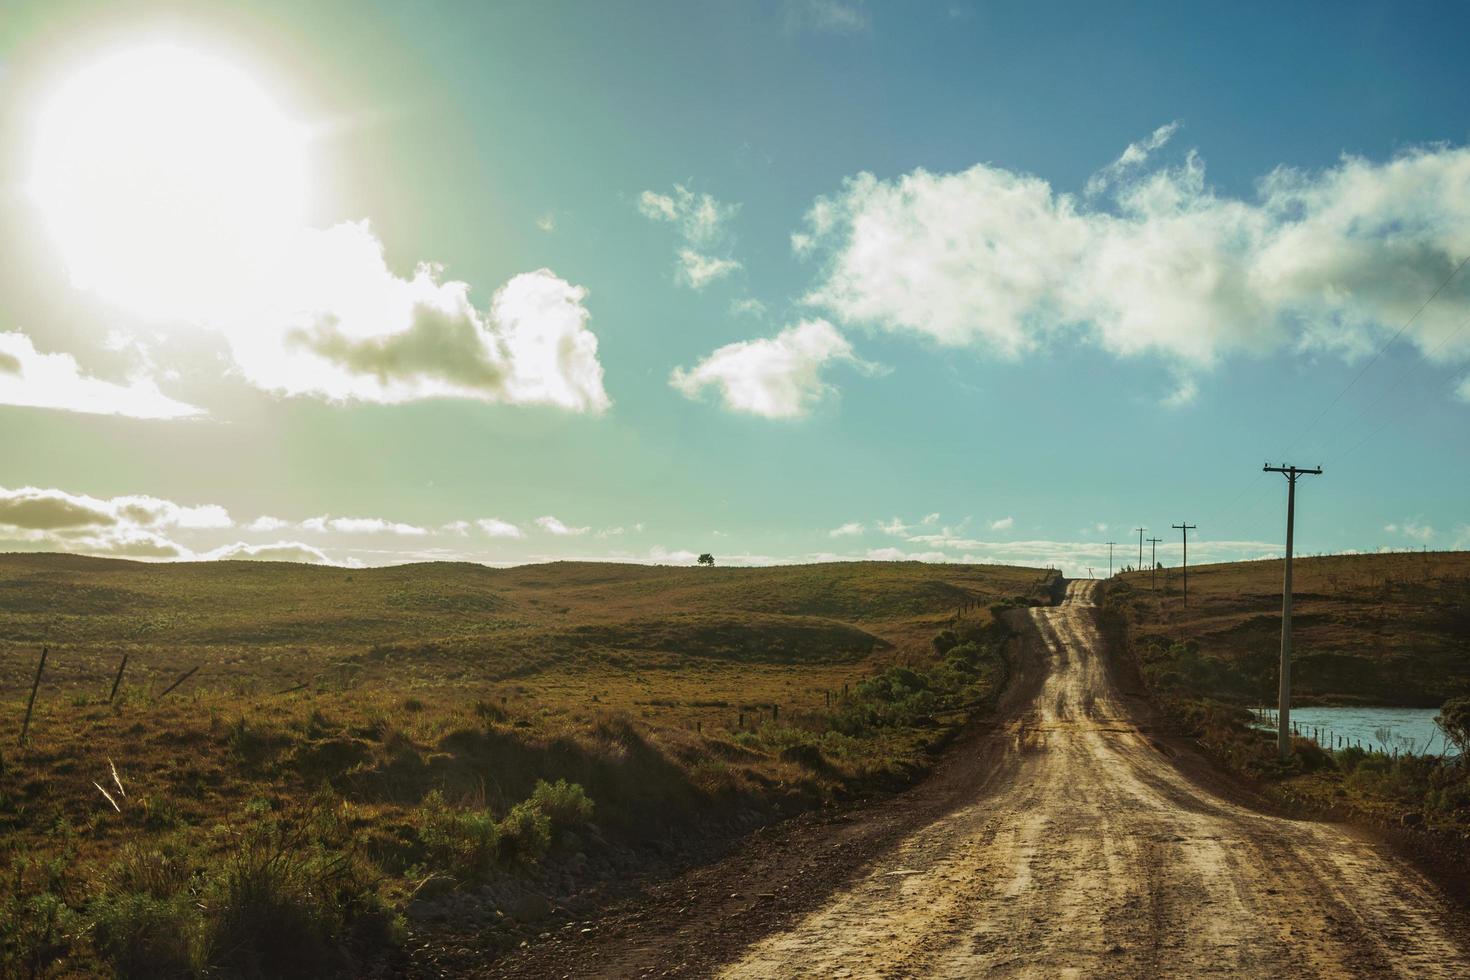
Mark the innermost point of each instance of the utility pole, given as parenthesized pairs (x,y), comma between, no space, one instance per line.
(1153,562)
(1140,531)
(1110,558)
(1184,530)
(1283,696)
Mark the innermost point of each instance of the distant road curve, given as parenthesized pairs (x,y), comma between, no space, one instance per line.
(1086,852)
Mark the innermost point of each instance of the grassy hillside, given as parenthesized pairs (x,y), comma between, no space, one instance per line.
(1391,629)
(472,747)
(1385,629)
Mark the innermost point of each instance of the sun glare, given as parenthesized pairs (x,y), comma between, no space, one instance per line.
(167,178)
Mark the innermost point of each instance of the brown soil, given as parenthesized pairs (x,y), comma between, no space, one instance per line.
(1067,839)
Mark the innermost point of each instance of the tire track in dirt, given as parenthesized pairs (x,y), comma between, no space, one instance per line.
(1087,852)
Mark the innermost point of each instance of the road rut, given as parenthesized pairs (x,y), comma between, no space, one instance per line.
(1086,852)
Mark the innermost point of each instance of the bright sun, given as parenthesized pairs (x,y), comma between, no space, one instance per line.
(168,179)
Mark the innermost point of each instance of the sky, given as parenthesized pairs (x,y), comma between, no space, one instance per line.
(795,280)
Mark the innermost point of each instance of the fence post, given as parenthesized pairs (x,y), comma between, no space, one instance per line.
(187,674)
(118,679)
(31,704)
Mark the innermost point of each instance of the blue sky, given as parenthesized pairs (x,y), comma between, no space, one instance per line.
(773,280)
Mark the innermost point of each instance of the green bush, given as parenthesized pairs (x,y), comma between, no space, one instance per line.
(460,841)
(525,833)
(565,804)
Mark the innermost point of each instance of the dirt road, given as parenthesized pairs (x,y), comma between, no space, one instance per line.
(1086,852)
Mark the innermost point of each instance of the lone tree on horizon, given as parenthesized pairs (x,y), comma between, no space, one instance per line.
(706,559)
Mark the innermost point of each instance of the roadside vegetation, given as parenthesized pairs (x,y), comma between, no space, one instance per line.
(1386,629)
(368,760)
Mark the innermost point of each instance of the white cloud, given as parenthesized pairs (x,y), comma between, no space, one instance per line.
(1332,260)
(660,555)
(265,523)
(701,221)
(361,525)
(895,528)
(339,324)
(553,526)
(1411,529)
(1004,524)
(849,530)
(827,16)
(130,526)
(278,551)
(547,222)
(38,509)
(36,380)
(775,377)
(748,306)
(1131,159)
(497,528)
(701,270)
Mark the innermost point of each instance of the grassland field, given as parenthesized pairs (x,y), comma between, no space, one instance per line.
(519,731)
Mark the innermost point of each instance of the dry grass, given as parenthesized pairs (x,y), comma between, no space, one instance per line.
(1388,628)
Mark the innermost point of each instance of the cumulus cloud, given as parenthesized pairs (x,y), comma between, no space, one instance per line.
(131,526)
(701,222)
(362,525)
(497,528)
(339,324)
(34,379)
(49,509)
(551,525)
(775,377)
(278,551)
(849,530)
(1004,524)
(1331,260)
(267,523)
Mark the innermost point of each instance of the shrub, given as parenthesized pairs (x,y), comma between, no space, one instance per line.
(565,804)
(525,833)
(457,840)
(1454,720)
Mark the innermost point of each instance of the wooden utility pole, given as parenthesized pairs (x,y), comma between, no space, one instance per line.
(1184,530)
(1283,694)
(1153,562)
(1110,558)
(1140,531)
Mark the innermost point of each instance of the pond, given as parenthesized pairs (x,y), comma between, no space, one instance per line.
(1405,730)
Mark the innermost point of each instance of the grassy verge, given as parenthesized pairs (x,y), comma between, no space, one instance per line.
(457,781)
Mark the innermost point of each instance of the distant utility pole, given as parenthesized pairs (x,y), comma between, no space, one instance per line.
(1184,530)
(1153,561)
(1140,531)
(1283,696)
(1110,558)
